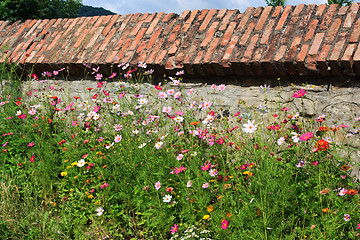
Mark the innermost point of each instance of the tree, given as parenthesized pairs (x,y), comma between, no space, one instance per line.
(275,3)
(38,9)
(341,2)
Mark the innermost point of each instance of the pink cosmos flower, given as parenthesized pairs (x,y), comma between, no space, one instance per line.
(224,224)
(162,95)
(32,111)
(342,192)
(121,95)
(174,229)
(346,217)
(6,144)
(177,95)
(299,93)
(221,87)
(105,185)
(117,138)
(306,136)
(300,164)
(179,157)
(205,185)
(118,127)
(166,109)
(188,184)
(98,76)
(113,75)
(31,144)
(157,185)
(90,166)
(213,172)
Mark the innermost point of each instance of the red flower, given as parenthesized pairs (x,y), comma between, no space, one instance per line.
(158,87)
(323,129)
(351,192)
(18,103)
(321,145)
(32,158)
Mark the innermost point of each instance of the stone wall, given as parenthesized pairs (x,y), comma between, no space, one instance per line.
(307,41)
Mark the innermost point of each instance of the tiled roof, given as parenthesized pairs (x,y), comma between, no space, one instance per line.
(302,40)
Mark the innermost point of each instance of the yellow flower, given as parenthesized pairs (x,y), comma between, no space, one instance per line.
(90,196)
(205,217)
(68,167)
(74,163)
(63,174)
(210,208)
(246,172)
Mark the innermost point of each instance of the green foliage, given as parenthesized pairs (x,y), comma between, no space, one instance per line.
(275,3)
(77,169)
(340,2)
(89,11)
(14,10)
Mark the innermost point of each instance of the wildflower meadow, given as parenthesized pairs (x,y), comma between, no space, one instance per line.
(121,164)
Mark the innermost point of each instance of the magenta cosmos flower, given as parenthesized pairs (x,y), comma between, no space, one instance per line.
(306,136)
(299,93)
(174,229)
(224,224)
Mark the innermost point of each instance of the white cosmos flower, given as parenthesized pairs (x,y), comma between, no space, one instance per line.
(99,211)
(143,101)
(135,132)
(178,119)
(117,138)
(158,145)
(81,163)
(142,145)
(280,141)
(109,146)
(167,198)
(295,137)
(250,127)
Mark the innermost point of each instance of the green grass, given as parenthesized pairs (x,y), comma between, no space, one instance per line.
(63,163)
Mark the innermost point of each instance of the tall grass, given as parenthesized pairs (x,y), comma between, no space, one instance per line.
(128,165)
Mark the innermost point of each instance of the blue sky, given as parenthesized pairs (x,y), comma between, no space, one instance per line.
(178,6)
